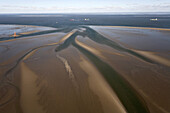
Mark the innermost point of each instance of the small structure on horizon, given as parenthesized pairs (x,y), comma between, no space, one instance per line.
(86,19)
(15,34)
(155,19)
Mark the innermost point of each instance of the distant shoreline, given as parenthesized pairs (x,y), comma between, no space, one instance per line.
(132,27)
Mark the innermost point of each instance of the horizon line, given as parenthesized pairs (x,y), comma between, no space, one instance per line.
(88,13)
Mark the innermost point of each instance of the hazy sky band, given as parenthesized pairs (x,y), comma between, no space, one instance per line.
(66,6)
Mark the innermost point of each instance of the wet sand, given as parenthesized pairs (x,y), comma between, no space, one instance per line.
(94,70)
(8,30)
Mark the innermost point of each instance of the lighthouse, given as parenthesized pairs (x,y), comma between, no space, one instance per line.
(15,34)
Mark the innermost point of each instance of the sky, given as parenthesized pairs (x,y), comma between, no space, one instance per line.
(83,6)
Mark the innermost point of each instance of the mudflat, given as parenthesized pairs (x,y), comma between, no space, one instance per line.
(88,69)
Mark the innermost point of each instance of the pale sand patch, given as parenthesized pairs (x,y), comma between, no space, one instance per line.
(64,38)
(97,47)
(29,32)
(69,70)
(93,50)
(109,100)
(67,36)
(29,97)
(154,57)
(113,53)
(30,54)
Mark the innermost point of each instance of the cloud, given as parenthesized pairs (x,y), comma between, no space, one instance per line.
(59,9)
(150,7)
(163,7)
(20,9)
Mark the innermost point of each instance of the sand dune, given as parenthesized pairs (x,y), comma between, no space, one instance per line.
(29,100)
(94,51)
(154,57)
(109,100)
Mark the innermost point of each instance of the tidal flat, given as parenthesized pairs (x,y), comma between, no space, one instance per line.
(85,69)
